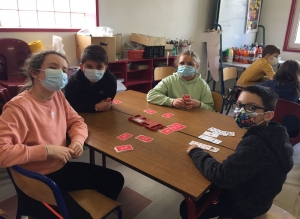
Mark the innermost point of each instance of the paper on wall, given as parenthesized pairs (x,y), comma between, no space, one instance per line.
(213,52)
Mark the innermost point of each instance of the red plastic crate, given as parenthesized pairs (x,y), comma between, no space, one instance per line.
(135,54)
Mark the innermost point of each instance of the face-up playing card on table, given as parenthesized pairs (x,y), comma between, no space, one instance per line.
(211,134)
(167,115)
(214,149)
(124,136)
(149,111)
(144,138)
(166,131)
(123,148)
(117,101)
(231,134)
(176,126)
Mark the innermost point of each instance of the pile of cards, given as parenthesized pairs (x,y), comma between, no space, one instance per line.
(123,148)
(220,132)
(210,139)
(142,138)
(205,146)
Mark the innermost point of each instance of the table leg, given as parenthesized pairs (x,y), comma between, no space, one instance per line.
(191,208)
(103,160)
(92,155)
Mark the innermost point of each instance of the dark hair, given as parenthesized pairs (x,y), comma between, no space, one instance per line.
(270,49)
(189,53)
(95,53)
(33,63)
(267,95)
(289,71)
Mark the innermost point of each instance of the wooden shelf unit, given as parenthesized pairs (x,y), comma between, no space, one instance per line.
(138,80)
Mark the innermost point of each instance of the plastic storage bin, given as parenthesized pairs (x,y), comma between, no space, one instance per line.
(135,54)
(154,52)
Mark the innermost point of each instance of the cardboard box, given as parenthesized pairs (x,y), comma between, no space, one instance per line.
(139,66)
(108,43)
(148,40)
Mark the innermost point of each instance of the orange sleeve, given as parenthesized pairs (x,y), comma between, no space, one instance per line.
(268,70)
(13,126)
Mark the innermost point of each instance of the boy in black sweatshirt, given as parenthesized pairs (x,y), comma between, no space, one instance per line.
(93,87)
(254,174)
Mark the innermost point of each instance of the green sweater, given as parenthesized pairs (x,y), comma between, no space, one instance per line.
(174,86)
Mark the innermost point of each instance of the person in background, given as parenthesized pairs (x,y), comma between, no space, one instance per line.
(185,88)
(261,69)
(93,87)
(254,173)
(286,81)
(33,128)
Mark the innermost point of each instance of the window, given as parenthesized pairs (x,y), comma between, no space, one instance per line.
(48,14)
(292,37)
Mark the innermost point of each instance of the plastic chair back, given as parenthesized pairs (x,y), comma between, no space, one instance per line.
(13,53)
(229,73)
(37,186)
(162,72)
(283,108)
(218,101)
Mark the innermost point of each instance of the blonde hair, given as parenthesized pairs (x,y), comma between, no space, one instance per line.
(189,53)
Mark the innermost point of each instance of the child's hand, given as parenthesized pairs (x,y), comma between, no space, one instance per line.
(178,103)
(103,105)
(190,148)
(77,148)
(58,152)
(192,103)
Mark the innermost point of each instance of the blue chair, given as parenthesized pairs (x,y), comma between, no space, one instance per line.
(43,189)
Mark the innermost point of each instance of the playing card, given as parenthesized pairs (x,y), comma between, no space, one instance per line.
(176,126)
(216,141)
(206,138)
(144,138)
(124,136)
(193,142)
(167,115)
(139,120)
(149,111)
(123,148)
(214,149)
(231,134)
(108,99)
(186,96)
(211,134)
(205,147)
(214,130)
(223,133)
(166,131)
(117,101)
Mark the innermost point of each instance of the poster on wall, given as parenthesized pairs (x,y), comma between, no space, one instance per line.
(253,11)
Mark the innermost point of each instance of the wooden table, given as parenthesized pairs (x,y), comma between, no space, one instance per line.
(196,120)
(164,159)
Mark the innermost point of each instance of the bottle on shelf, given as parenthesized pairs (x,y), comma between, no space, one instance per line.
(251,56)
(241,60)
(230,55)
(259,52)
(246,56)
(236,56)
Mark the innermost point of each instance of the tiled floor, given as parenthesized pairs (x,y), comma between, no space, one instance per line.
(143,198)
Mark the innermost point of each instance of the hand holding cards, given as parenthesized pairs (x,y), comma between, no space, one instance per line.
(204,146)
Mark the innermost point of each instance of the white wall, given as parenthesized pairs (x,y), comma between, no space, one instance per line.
(174,19)
(274,16)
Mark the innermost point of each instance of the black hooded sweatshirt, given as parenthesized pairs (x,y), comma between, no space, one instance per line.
(83,96)
(254,174)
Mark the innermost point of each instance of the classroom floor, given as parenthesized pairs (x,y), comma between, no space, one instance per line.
(144,198)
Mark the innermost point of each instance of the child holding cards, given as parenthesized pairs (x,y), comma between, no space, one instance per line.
(185,88)
(93,86)
(253,175)
(33,132)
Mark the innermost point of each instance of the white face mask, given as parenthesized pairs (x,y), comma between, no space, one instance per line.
(55,79)
(273,61)
(93,75)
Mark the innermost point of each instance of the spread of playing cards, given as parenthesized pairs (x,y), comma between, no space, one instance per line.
(205,146)
(220,132)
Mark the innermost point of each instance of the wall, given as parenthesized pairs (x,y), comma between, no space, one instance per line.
(274,16)
(174,19)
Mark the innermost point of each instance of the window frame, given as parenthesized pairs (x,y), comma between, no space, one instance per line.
(291,28)
(23,29)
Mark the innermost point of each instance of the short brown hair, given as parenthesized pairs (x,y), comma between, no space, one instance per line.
(270,49)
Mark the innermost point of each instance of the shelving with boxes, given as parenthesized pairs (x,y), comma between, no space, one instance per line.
(138,73)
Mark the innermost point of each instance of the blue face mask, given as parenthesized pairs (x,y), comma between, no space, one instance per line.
(186,70)
(55,79)
(94,75)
